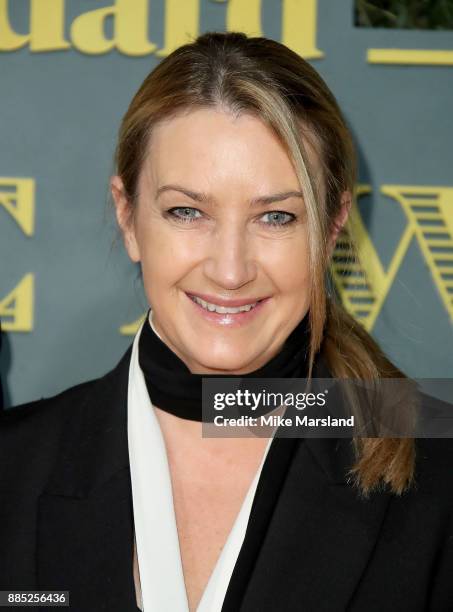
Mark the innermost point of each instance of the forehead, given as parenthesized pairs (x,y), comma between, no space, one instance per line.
(214,147)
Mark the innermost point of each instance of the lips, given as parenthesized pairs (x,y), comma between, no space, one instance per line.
(228,320)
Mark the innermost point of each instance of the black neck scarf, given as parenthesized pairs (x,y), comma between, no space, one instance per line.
(175,389)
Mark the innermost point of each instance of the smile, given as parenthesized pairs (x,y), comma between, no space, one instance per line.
(228,316)
(222,309)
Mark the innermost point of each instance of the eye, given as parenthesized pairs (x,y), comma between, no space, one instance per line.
(185,216)
(276,217)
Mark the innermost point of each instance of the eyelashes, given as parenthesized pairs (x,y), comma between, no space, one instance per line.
(171,212)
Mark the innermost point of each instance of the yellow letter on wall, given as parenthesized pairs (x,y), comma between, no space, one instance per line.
(411,57)
(130,29)
(363,283)
(130,329)
(16,309)
(429,211)
(46,27)
(17,196)
(181,24)
(244,17)
(299,23)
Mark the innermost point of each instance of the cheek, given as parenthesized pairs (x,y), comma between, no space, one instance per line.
(165,256)
(287,262)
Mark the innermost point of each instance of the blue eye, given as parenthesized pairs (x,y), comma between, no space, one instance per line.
(274,215)
(183,218)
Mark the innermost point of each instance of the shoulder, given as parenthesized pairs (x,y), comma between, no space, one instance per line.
(433,476)
(50,410)
(434,446)
(43,414)
(434,461)
(30,433)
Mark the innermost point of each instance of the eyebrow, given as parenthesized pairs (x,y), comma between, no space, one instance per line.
(205,198)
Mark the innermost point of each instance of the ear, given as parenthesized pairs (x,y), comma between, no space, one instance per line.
(342,217)
(123,217)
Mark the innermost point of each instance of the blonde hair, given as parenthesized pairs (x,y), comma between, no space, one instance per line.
(257,75)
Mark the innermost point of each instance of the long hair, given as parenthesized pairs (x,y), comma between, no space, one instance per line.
(264,77)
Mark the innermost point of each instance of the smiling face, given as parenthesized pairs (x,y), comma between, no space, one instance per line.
(219,214)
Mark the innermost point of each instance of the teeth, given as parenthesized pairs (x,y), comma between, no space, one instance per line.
(222,309)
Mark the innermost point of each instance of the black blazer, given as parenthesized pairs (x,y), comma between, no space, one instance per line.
(312,544)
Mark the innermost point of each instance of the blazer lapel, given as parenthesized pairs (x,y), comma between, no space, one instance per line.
(310,534)
(85,520)
(319,539)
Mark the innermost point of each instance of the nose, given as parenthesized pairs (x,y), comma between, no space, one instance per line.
(230,262)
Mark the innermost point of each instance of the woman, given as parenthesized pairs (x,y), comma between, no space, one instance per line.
(235,171)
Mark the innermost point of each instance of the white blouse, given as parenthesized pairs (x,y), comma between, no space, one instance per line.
(161,580)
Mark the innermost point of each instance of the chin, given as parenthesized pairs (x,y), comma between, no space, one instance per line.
(221,364)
